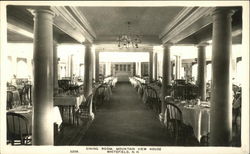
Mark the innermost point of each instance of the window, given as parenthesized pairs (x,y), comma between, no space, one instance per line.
(120,67)
(22,68)
(116,67)
(124,67)
(129,67)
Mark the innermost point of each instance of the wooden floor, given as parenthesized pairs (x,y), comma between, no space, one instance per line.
(125,121)
(72,134)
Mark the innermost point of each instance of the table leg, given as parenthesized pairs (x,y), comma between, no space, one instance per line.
(73,113)
(61,111)
(69,113)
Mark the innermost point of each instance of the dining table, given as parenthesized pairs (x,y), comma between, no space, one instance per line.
(27,112)
(197,116)
(70,103)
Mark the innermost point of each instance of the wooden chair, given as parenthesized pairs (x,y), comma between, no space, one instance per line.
(64,84)
(143,88)
(99,95)
(85,108)
(204,141)
(173,121)
(191,91)
(9,100)
(18,129)
(236,123)
(25,95)
(11,87)
(110,83)
(153,101)
(80,89)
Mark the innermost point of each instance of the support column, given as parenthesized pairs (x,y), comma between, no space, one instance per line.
(71,64)
(155,66)
(221,103)
(108,68)
(55,68)
(88,70)
(166,74)
(97,66)
(173,76)
(42,122)
(134,69)
(139,69)
(177,67)
(150,67)
(201,75)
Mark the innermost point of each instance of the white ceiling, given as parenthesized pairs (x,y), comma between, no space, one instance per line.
(112,21)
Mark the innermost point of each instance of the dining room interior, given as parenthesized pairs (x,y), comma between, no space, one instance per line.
(124,75)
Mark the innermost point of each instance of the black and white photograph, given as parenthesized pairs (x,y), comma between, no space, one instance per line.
(124,77)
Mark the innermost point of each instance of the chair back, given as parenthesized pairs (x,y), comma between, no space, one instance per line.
(143,89)
(151,99)
(85,107)
(99,94)
(81,89)
(11,87)
(151,92)
(173,121)
(172,112)
(17,127)
(88,101)
(9,100)
(26,94)
(64,84)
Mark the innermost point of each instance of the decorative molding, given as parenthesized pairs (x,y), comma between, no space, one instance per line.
(180,16)
(19,30)
(114,48)
(151,40)
(77,26)
(83,21)
(188,17)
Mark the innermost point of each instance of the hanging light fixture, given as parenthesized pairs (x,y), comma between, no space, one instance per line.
(127,40)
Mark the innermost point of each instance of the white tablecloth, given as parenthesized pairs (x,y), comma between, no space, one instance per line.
(27,113)
(69,100)
(198,117)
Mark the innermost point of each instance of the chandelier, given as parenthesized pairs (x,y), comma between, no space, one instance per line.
(127,40)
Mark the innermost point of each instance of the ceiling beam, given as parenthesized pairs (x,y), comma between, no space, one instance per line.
(192,29)
(178,18)
(70,21)
(19,30)
(183,23)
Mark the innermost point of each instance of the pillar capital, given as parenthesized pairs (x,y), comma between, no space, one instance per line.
(87,44)
(37,11)
(167,45)
(223,11)
(203,44)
